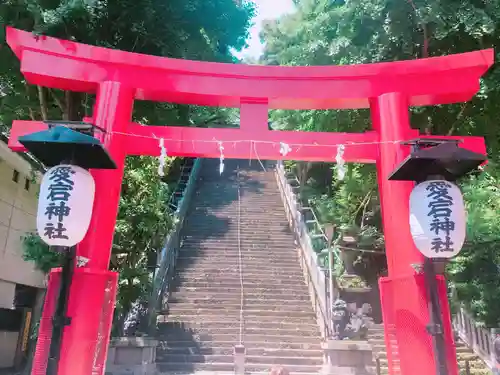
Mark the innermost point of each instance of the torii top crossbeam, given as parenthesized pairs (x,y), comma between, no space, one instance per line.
(73,66)
(430,81)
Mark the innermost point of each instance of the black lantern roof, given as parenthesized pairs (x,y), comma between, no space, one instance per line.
(437,157)
(68,142)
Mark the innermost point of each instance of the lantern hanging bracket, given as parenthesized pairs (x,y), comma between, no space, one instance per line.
(79,126)
(419,143)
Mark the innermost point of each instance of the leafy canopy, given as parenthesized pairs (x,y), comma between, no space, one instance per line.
(339,32)
(189,29)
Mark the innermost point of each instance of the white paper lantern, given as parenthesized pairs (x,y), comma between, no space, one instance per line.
(437,218)
(65,205)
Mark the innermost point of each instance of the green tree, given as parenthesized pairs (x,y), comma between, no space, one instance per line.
(351,32)
(142,224)
(38,252)
(189,29)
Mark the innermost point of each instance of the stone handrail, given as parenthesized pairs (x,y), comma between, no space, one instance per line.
(168,256)
(315,276)
(477,338)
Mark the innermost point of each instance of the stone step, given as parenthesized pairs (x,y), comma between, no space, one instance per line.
(188,279)
(252,247)
(249,281)
(190,368)
(252,222)
(376,336)
(246,267)
(287,254)
(380,348)
(188,309)
(463,349)
(246,229)
(475,371)
(267,336)
(228,200)
(249,295)
(265,274)
(212,308)
(383,356)
(249,360)
(250,351)
(235,324)
(249,345)
(471,357)
(231,257)
(214,201)
(246,241)
(249,318)
(215,273)
(230,229)
(228,214)
(168,329)
(248,289)
(234,300)
(473,364)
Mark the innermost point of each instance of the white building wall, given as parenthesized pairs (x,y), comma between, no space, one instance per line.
(18,204)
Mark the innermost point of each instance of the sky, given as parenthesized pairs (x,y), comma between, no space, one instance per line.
(266,10)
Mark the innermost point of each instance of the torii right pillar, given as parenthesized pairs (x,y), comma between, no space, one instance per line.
(404,296)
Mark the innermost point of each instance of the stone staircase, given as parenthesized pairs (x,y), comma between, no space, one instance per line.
(377,341)
(464,354)
(476,364)
(201,324)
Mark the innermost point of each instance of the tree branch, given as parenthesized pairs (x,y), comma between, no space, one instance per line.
(58,101)
(459,116)
(43,103)
(362,206)
(30,110)
(425,47)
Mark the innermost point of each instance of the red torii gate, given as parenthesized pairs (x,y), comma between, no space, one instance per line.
(119,78)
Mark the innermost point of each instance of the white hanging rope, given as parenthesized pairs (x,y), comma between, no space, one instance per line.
(221,165)
(240,258)
(297,146)
(284,149)
(162,158)
(341,167)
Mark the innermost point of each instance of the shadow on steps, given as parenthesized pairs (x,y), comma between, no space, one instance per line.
(180,342)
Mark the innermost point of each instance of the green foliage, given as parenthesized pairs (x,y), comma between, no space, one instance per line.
(475,271)
(38,252)
(142,224)
(356,31)
(194,29)
(190,29)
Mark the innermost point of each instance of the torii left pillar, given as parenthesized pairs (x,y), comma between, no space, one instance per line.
(93,290)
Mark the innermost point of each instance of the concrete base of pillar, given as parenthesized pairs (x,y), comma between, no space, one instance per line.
(345,357)
(239,360)
(132,356)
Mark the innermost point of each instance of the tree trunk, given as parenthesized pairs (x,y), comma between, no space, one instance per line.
(303,169)
(74,106)
(42,98)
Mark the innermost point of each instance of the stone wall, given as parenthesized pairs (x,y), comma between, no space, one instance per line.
(8,345)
